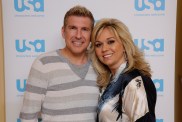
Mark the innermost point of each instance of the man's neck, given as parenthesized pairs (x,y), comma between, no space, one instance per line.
(77,59)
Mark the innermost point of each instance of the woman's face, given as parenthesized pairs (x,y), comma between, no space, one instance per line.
(109,49)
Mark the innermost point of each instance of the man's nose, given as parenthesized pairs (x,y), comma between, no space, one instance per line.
(78,34)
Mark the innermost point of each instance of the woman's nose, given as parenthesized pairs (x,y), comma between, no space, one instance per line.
(105,47)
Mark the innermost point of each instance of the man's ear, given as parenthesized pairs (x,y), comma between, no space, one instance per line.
(63,32)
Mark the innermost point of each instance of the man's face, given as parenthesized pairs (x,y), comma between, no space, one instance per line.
(77,34)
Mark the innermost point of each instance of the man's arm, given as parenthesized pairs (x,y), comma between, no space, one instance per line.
(34,94)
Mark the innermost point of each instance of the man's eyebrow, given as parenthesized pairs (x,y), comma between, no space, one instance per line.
(71,26)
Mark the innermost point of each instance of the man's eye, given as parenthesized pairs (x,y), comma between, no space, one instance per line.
(111,41)
(98,45)
(86,29)
(72,27)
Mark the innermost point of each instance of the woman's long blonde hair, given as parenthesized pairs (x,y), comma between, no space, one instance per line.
(135,57)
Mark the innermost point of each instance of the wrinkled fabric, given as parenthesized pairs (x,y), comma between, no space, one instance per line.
(130,97)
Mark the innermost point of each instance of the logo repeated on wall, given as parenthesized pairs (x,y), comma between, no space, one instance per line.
(29,48)
(149,7)
(18,120)
(159,84)
(40,120)
(151,47)
(21,85)
(29,8)
(159,120)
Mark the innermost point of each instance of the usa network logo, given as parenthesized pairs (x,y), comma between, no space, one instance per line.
(151,47)
(159,120)
(20,86)
(29,48)
(29,8)
(159,85)
(149,7)
(18,120)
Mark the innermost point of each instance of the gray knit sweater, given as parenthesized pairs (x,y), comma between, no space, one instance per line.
(60,91)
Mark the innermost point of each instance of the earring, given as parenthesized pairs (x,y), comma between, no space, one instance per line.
(125,56)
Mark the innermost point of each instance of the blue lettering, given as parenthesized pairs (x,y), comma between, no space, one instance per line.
(141,5)
(18,85)
(39,120)
(158,44)
(18,120)
(39,45)
(142,45)
(159,120)
(24,47)
(38,5)
(22,5)
(158,4)
(159,84)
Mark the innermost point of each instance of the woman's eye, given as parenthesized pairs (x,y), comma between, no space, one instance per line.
(110,41)
(97,45)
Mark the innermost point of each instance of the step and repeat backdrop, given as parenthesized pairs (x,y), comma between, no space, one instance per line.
(32,27)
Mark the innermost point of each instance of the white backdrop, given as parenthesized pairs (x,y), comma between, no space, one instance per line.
(32,27)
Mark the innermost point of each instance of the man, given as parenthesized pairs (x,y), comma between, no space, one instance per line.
(61,86)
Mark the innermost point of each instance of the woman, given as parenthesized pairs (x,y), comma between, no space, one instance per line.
(128,93)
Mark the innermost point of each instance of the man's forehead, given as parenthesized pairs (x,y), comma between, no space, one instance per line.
(79,21)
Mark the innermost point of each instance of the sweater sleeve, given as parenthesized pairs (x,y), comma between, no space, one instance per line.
(35,92)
